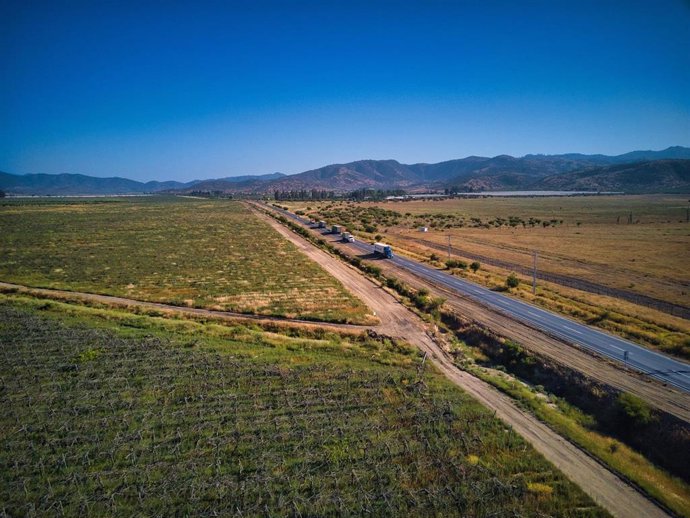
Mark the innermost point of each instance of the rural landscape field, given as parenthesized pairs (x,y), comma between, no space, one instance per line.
(345,259)
(628,251)
(225,255)
(114,416)
(197,253)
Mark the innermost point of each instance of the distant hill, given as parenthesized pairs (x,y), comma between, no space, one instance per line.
(640,177)
(637,171)
(342,177)
(253,177)
(79,184)
(229,184)
(76,184)
(674,152)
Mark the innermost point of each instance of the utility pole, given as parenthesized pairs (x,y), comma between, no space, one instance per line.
(534,272)
(448,246)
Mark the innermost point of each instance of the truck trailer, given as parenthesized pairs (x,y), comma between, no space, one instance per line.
(321,224)
(336,229)
(383,249)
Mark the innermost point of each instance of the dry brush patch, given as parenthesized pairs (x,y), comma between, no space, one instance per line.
(588,236)
(575,236)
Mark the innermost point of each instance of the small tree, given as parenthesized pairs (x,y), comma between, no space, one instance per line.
(434,257)
(456,263)
(512,281)
(475,266)
(633,411)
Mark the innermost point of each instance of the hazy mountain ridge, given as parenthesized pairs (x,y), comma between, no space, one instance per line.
(68,184)
(78,184)
(650,176)
(637,171)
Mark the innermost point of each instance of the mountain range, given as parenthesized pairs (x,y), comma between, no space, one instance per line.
(635,172)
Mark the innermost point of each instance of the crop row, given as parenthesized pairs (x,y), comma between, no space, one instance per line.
(102,423)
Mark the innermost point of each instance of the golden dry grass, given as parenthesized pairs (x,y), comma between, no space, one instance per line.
(204,253)
(585,238)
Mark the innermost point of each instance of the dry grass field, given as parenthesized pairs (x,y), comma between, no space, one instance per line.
(585,238)
(201,253)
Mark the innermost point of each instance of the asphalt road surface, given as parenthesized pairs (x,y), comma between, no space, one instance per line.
(656,365)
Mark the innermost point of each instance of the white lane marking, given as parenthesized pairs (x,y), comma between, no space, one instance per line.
(573,330)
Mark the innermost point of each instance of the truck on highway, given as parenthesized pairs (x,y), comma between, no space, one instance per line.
(383,249)
(336,229)
(348,238)
(321,224)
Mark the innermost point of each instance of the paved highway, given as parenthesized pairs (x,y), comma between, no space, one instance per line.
(656,365)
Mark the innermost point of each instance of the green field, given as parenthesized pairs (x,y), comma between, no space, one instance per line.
(111,414)
(204,253)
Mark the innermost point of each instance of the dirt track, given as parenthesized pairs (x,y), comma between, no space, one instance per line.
(217,315)
(665,398)
(607,489)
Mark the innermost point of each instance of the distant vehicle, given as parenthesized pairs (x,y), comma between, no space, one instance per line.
(423,229)
(383,249)
(348,238)
(336,229)
(321,224)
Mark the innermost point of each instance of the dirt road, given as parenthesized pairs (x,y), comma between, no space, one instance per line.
(662,397)
(167,308)
(606,488)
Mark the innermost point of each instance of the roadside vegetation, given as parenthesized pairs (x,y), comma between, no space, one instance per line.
(645,446)
(200,253)
(110,413)
(592,239)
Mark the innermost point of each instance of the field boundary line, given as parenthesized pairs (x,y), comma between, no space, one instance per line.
(67,296)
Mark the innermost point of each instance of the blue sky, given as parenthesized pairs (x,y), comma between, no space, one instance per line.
(185,90)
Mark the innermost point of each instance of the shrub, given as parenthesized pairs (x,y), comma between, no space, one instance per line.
(475,266)
(456,263)
(512,281)
(633,411)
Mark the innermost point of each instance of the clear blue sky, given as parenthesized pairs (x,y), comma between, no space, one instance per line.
(185,90)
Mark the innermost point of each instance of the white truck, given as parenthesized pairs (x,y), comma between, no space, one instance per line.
(348,238)
(383,249)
